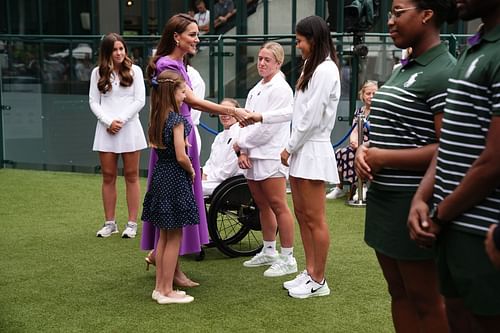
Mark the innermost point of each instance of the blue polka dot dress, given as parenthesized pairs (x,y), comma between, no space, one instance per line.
(169,202)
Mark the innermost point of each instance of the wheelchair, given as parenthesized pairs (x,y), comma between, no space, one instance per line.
(233,219)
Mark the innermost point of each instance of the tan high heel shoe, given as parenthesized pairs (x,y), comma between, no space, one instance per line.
(150,259)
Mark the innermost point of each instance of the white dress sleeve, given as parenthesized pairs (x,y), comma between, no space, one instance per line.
(278,116)
(198,89)
(95,100)
(320,90)
(139,91)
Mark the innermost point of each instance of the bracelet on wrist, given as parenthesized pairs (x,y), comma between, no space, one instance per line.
(434,216)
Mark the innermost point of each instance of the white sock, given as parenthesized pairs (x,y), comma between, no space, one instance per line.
(132,222)
(320,283)
(269,247)
(111,221)
(287,252)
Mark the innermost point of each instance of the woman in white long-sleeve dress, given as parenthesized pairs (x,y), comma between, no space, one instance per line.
(116,95)
(199,91)
(309,152)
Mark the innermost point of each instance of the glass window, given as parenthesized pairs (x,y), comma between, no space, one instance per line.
(4,17)
(24,17)
(55,9)
(153,18)
(132,17)
(82,17)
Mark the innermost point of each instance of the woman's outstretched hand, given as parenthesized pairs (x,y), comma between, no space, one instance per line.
(240,114)
(251,118)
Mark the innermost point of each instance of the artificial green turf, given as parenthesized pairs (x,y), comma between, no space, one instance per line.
(57,276)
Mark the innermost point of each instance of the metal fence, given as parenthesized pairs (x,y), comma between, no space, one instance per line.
(46,122)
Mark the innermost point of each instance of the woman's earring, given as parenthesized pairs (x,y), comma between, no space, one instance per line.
(177,43)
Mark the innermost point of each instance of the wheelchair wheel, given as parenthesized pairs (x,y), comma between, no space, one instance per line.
(233,219)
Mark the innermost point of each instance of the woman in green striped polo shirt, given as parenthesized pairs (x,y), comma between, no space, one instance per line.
(405,119)
(463,183)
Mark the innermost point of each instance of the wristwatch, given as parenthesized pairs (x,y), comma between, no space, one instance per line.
(434,216)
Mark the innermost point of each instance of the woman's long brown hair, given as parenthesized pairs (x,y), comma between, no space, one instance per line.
(317,33)
(176,24)
(106,65)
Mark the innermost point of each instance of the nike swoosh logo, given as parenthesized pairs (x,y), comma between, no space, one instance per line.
(315,290)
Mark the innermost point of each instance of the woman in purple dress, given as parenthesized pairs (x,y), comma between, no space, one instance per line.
(180,37)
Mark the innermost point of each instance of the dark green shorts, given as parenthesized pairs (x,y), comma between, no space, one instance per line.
(385,225)
(466,272)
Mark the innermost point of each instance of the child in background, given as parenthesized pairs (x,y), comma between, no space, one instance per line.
(169,203)
(345,156)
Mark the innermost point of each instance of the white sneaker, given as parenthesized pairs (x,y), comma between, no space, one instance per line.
(299,279)
(336,193)
(310,288)
(283,266)
(108,229)
(130,230)
(262,259)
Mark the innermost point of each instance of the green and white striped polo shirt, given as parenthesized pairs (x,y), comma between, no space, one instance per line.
(473,99)
(403,109)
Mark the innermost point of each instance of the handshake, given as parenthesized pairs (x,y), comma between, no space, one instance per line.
(245,117)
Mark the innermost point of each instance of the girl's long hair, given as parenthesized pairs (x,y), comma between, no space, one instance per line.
(176,24)
(162,103)
(317,33)
(106,64)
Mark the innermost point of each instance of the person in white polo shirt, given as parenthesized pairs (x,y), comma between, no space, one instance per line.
(222,162)
(259,146)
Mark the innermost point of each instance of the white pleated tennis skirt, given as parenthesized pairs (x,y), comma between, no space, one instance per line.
(315,160)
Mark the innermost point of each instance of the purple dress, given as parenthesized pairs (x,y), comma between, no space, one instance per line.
(193,236)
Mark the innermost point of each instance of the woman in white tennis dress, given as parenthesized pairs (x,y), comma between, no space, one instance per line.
(117,94)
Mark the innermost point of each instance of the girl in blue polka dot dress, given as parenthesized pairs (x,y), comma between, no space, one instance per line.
(169,203)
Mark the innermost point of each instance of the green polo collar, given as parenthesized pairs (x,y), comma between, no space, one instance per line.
(431,54)
(493,35)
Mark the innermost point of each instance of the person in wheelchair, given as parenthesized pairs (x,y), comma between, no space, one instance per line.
(222,162)
(345,156)
(259,146)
